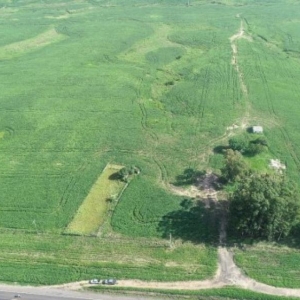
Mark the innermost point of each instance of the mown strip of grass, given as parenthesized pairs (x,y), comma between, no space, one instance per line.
(91,213)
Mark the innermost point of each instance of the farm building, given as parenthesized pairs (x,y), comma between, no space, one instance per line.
(257,129)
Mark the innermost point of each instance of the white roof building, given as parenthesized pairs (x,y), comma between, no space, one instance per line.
(257,129)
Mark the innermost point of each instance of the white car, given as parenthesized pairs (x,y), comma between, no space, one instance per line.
(110,281)
(94,281)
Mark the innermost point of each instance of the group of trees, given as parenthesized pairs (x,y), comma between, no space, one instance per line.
(252,147)
(261,205)
(264,206)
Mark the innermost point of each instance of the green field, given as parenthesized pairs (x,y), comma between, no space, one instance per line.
(277,266)
(138,82)
(224,293)
(53,259)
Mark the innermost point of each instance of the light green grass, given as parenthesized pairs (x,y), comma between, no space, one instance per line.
(91,214)
(19,48)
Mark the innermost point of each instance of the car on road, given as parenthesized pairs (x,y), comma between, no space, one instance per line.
(94,281)
(110,281)
(17,296)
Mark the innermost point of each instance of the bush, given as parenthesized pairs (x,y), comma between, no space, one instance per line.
(238,144)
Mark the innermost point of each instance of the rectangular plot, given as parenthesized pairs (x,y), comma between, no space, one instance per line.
(91,213)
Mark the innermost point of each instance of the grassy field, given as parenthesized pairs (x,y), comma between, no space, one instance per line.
(52,259)
(92,212)
(146,83)
(212,294)
(277,266)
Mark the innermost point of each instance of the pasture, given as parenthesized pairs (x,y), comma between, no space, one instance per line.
(145,83)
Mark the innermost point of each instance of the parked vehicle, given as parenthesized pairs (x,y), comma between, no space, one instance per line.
(110,281)
(94,281)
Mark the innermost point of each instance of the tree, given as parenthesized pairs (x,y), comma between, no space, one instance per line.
(189,176)
(256,146)
(239,144)
(235,167)
(125,173)
(264,206)
(254,149)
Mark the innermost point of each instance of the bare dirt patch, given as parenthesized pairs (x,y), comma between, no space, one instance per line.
(277,164)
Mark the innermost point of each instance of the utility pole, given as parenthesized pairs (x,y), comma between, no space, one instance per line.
(34,223)
(170,241)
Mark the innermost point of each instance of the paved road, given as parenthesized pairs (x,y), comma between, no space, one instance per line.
(8,292)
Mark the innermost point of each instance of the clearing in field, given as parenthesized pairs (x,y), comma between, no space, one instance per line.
(91,213)
(44,39)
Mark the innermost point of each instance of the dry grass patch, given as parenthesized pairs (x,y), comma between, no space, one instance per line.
(44,39)
(160,37)
(91,214)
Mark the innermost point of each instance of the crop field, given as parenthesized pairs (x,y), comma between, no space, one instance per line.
(148,83)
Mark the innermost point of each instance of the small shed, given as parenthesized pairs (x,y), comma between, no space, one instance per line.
(257,129)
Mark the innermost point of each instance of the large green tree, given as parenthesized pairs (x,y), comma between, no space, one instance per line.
(264,206)
(235,167)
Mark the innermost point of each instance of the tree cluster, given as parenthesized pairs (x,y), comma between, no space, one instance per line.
(264,206)
(242,145)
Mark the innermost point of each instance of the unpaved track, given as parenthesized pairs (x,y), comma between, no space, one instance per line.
(234,60)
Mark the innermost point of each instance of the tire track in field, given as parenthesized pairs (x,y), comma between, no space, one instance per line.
(144,114)
(144,118)
(200,111)
(71,185)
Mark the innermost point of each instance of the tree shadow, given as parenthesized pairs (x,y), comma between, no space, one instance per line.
(196,222)
(114,176)
(189,176)
(220,149)
(249,129)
